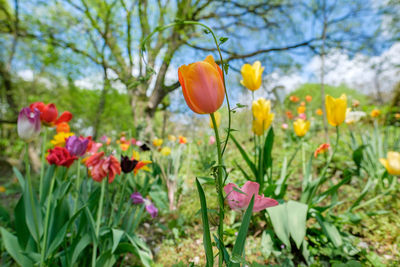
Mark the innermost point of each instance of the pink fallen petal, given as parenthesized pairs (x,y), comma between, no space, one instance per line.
(261,203)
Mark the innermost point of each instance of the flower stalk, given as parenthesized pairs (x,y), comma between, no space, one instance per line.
(98,220)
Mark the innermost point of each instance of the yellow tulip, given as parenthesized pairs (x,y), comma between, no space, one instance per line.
(217,117)
(301,127)
(252,75)
(392,163)
(259,127)
(263,116)
(60,138)
(2,189)
(261,109)
(157,142)
(375,113)
(165,151)
(336,109)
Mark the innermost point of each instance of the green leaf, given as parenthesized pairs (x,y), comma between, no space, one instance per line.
(243,172)
(20,223)
(238,248)
(358,156)
(245,156)
(106,259)
(279,219)
(297,216)
(141,250)
(206,227)
(20,178)
(330,230)
(35,228)
(117,235)
(11,244)
(269,142)
(223,40)
(46,183)
(83,242)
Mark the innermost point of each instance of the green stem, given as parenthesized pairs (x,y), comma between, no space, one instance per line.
(46,222)
(303,163)
(219,185)
(99,213)
(122,199)
(44,140)
(28,178)
(78,184)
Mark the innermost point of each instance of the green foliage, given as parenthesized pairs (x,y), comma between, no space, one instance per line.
(314,90)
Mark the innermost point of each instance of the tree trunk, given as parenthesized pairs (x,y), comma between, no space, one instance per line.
(102,103)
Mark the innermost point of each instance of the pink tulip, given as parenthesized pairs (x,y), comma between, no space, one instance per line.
(212,140)
(303,116)
(240,201)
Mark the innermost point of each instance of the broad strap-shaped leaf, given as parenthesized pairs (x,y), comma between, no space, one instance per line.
(268,144)
(238,248)
(141,250)
(117,236)
(206,227)
(297,216)
(12,246)
(279,219)
(330,230)
(245,156)
(20,178)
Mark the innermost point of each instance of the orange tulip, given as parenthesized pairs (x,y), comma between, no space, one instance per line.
(308,98)
(202,85)
(63,127)
(319,112)
(294,98)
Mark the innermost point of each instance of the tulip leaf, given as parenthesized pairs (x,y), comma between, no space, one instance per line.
(31,206)
(12,246)
(117,235)
(20,178)
(279,219)
(206,227)
(269,142)
(297,216)
(330,230)
(238,248)
(245,156)
(46,183)
(223,40)
(238,190)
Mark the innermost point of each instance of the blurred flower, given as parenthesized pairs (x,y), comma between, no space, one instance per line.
(124,146)
(142,165)
(308,98)
(217,117)
(76,146)
(127,165)
(355,103)
(137,198)
(289,115)
(397,116)
(252,75)
(392,163)
(321,149)
(60,138)
(375,113)
(101,167)
(157,142)
(302,116)
(302,103)
(240,201)
(63,127)
(336,109)
(49,113)
(60,156)
(28,124)
(284,126)
(319,112)
(211,141)
(2,189)
(171,138)
(165,151)
(301,127)
(182,139)
(93,146)
(294,99)
(135,155)
(202,85)
(353,116)
(150,208)
(301,109)
(105,139)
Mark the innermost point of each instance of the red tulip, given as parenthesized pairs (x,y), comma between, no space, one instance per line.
(202,85)
(60,157)
(101,167)
(49,113)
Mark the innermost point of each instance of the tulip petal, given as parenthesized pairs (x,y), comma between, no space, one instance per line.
(261,203)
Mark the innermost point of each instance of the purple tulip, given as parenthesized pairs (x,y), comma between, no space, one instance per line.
(76,146)
(28,125)
(137,198)
(152,210)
